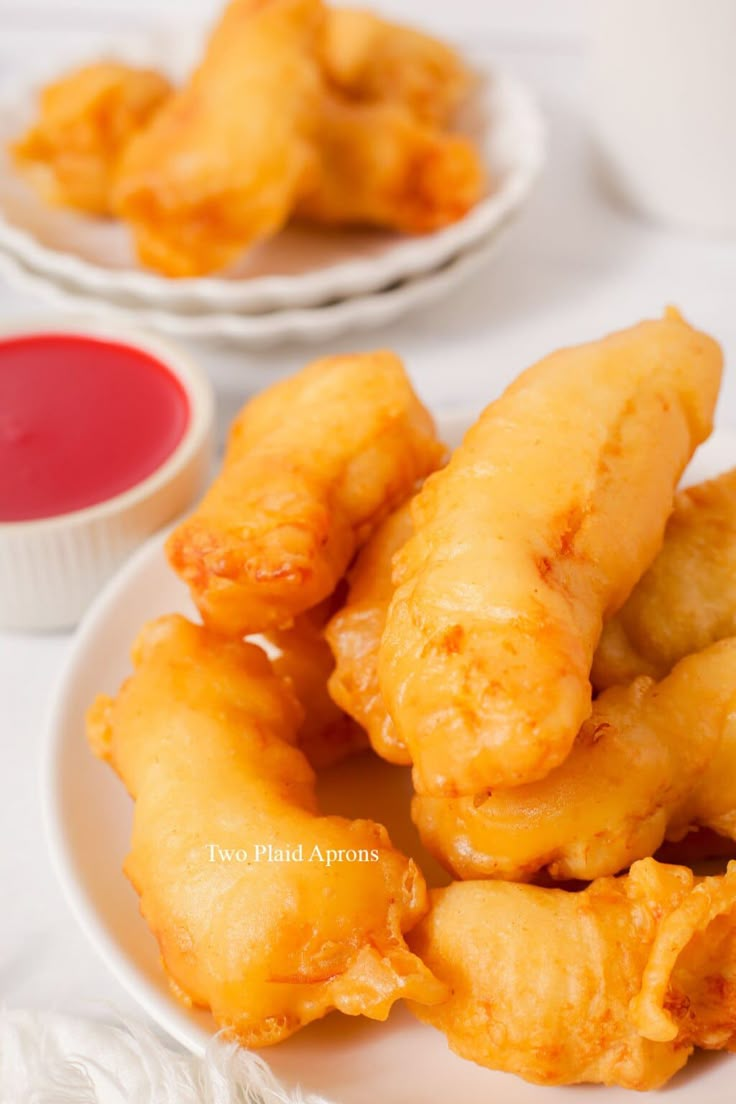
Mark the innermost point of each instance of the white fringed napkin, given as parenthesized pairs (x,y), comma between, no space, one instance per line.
(46,1058)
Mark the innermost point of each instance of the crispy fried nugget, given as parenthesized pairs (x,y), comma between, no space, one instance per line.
(687,598)
(615,984)
(326,735)
(201,736)
(373,60)
(354,635)
(688,991)
(86,120)
(379,166)
(537,529)
(313,466)
(642,768)
(222,164)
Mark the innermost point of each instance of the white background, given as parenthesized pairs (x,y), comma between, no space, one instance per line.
(456,18)
(575,267)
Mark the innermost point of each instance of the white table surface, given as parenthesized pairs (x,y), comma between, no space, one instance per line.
(576,267)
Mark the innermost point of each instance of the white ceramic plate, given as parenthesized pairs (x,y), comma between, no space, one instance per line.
(305,324)
(298,268)
(88,820)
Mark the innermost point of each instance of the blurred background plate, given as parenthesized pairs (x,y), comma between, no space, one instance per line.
(249,331)
(301,266)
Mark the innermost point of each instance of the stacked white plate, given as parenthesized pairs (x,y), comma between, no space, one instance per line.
(305,284)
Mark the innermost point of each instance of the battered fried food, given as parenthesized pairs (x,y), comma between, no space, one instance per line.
(373,60)
(651,761)
(338,117)
(222,164)
(86,120)
(326,735)
(543,980)
(689,984)
(687,598)
(712,802)
(354,635)
(313,466)
(538,528)
(385,158)
(380,166)
(201,736)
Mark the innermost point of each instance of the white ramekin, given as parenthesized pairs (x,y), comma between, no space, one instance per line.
(51,568)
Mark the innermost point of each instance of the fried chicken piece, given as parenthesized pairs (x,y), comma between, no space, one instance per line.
(370,59)
(633,777)
(538,528)
(221,166)
(326,735)
(86,120)
(313,466)
(687,598)
(202,737)
(638,774)
(615,984)
(688,991)
(379,166)
(712,802)
(354,635)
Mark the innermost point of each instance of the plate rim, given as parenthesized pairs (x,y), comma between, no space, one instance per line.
(81,905)
(308,324)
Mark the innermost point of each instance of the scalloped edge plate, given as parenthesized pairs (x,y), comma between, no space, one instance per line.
(307,324)
(513,141)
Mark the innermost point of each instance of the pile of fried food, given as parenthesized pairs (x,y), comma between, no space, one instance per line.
(543,626)
(296,110)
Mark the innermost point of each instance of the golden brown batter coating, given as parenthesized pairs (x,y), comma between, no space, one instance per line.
(313,466)
(372,60)
(354,635)
(222,164)
(202,735)
(687,598)
(327,735)
(615,984)
(652,761)
(86,120)
(537,529)
(378,165)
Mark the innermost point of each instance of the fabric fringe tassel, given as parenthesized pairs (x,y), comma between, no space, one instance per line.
(47,1058)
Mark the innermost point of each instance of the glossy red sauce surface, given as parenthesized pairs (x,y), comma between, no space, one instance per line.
(81,419)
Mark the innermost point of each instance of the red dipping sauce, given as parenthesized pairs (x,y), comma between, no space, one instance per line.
(81,419)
